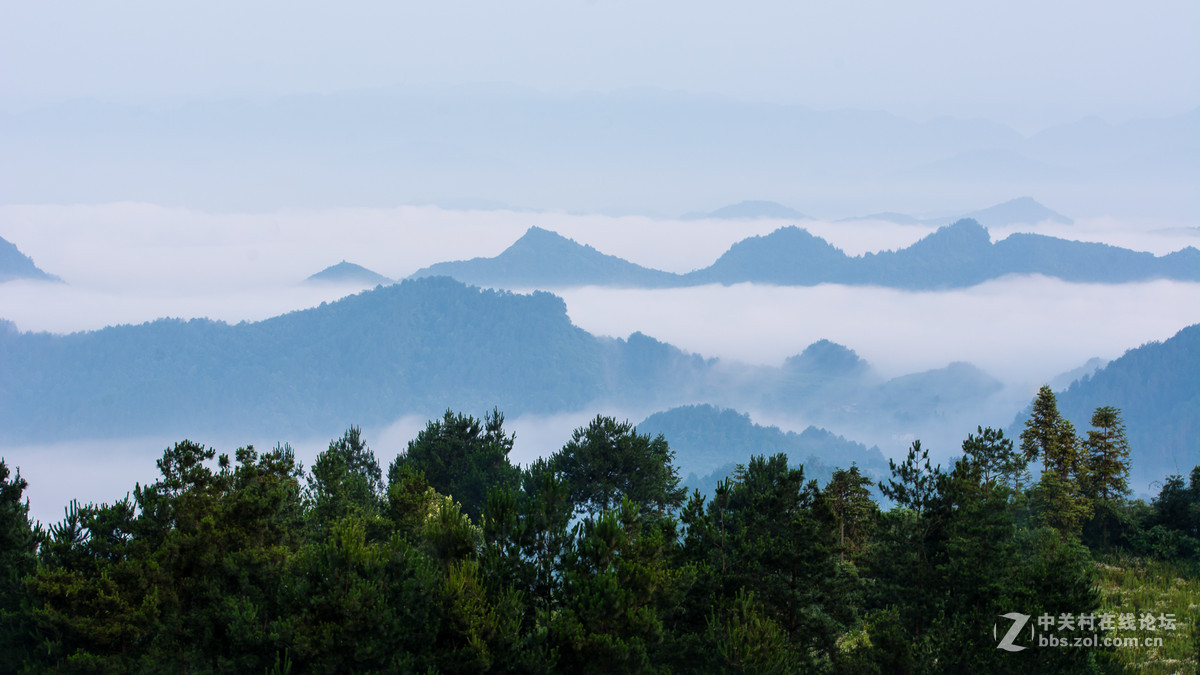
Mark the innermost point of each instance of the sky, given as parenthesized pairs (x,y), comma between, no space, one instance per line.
(1025,63)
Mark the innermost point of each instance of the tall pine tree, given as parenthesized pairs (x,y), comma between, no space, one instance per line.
(1060,497)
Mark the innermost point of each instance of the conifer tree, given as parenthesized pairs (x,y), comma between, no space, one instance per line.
(997,461)
(346,478)
(462,457)
(1060,495)
(607,461)
(850,500)
(18,546)
(1047,434)
(911,533)
(1108,455)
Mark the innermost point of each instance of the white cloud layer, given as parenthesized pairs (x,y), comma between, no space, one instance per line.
(129,263)
(1022,329)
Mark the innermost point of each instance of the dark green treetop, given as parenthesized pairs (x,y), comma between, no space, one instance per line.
(850,500)
(345,478)
(608,460)
(1108,455)
(462,457)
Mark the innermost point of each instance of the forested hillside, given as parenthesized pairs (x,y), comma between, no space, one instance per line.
(1157,388)
(706,438)
(594,560)
(420,347)
(710,442)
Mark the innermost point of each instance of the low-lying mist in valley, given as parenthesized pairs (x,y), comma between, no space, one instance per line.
(130,246)
(1022,329)
(131,263)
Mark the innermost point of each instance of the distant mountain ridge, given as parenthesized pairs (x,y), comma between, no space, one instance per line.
(1019,211)
(419,347)
(1022,210)
(544,258)
(348,273)
(706,438)
(1157,388)
(16,265)
(957,255)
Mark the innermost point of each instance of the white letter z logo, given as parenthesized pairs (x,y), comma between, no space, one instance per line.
(1019,621)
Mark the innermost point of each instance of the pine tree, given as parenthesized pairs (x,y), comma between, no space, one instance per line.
(910,532)
(1047,434)
(462,458)
(18,547)
(852,507)
(997,461)
(345,479)
(607,461)
(1108,455)
(1060,495)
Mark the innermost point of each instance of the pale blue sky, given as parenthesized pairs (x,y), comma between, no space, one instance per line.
(1025,63)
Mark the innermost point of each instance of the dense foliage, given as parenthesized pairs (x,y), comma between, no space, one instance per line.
(590,560)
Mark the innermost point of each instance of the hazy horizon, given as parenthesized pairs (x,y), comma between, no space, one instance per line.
(202,159)
(1023,63)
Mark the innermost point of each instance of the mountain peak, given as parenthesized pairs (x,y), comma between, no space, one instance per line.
(1019,211)
(17,265)
(827,358)
(539,245)
(543,258)
(964,232)
(789,255)
(347,273)
(540,237)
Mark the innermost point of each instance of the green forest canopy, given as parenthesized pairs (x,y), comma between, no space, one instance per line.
(454,560)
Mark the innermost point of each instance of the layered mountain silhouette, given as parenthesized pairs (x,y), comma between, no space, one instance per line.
(541,258)
(1019,211)
(788,256)
(348,273)
(1023,210)
(957,255)
(17,265)
(418,347)
(1157,388)
(709,439)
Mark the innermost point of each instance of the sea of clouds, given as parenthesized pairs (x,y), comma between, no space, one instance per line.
(131,263)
